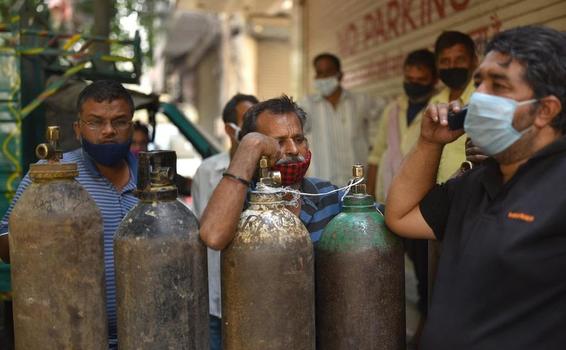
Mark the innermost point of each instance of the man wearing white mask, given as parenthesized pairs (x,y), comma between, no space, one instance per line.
(340,122)
(206,178)
(500,281)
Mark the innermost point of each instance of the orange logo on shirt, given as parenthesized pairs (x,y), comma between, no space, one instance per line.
(521,216)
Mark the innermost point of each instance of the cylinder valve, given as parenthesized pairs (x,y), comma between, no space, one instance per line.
(266,176)
(50,150)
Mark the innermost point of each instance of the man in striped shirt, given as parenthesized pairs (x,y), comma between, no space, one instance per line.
(271,128)
(107,170)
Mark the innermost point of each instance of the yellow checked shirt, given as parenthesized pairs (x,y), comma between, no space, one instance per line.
(408,135)
(454,153)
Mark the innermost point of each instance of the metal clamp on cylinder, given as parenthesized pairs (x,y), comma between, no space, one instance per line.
(267,176)
(156,175)
(162,176)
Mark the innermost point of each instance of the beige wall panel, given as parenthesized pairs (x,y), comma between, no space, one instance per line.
(373,37)
(273,72)
(208,87)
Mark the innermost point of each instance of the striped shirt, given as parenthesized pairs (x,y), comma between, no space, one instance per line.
(339,138)
(113,204)
(316,212)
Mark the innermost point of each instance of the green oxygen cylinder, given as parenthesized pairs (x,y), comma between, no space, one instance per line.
(268,277)
(56,251)
(161,265)
(360,296)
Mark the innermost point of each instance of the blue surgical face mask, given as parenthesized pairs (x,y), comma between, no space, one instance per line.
(489,122)
(326,86)
(108,154)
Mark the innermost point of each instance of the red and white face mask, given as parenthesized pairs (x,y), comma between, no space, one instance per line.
(293,169)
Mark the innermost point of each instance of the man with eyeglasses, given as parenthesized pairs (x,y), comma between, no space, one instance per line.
(107,170)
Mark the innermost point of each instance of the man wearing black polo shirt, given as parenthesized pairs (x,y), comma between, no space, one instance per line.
(500,282)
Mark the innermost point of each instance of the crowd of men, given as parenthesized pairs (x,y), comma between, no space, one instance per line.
(499,283)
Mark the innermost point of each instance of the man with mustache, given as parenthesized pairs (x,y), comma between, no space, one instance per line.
(107,170)
(271,128)
(500,281)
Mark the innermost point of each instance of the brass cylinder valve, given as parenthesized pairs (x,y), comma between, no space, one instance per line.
(266,176)
(357,175)
(50,150)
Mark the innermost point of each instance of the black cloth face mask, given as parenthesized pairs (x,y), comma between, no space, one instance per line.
(454,78)
(416,91)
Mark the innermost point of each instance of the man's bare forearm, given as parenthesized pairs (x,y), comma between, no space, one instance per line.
(414,180)
(220,218)
(222,213)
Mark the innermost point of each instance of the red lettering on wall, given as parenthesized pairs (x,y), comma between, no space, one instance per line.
(424,11)
(439,5)
(393,19)
(348,40)
(459,5)
(406,15)
(369,29)
(380,27)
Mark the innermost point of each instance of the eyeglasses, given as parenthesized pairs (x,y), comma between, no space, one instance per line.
(99,124)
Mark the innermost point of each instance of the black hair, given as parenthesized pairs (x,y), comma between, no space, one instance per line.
(423,58)
(139,126)
(105,91)
(229,114)
(451,38)
(541,51)
(277,106)
(328,56)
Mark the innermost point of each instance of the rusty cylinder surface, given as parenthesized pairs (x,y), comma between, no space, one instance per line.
(360,281)
(161,279)
(56,251)
(267,281)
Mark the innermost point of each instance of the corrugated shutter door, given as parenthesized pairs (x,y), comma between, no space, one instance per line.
(373,37)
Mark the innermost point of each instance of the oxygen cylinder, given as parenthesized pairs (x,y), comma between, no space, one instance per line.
(268,277)
(56,251)
(161,268)
(360,295)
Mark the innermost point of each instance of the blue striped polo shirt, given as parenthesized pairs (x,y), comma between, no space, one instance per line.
(316,212)
(113,204)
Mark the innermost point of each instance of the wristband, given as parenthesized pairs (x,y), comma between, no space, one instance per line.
(237,178)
